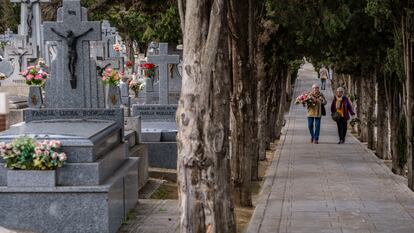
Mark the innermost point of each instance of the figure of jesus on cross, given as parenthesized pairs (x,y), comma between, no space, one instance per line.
(71,41)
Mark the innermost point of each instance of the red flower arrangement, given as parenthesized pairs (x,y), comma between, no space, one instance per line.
(149,69)
(129,64)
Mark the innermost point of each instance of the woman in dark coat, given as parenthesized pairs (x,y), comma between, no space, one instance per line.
(343,107)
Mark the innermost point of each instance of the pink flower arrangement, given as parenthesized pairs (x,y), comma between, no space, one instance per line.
(117,47)
(306,99)
(34,75)
(26,154)
(111,77)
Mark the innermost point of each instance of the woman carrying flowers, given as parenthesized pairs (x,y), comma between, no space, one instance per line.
(341,107)
(314,102)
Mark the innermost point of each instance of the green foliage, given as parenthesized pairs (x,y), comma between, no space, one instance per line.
(9,15)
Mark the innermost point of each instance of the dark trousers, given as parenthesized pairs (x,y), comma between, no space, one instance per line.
(342,127)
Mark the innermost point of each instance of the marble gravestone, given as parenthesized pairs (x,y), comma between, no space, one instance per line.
(159,131)
(162,60)
(72,33)
(98,184)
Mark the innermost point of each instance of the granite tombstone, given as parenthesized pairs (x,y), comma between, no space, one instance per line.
(98,184)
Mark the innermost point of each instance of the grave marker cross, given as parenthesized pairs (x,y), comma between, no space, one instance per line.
(73,31)
(162,60)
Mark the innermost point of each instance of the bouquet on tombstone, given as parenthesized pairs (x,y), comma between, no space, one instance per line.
(25,153)
(117,47)
(111,77)
(136,86)
(35,76)
(148,69)
(306,99)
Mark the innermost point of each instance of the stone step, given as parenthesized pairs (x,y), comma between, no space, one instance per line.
(68,209)
(73,174)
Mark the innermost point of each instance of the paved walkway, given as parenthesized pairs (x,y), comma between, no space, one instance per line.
(153,216)
(329,187)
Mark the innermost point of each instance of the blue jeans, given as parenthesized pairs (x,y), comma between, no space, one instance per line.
(314,125)
(323,84)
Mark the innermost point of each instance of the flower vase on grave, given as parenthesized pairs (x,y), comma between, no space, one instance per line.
(113,97)
(35,97)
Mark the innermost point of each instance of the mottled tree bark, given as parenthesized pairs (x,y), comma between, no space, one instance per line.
(395,115)
(282,105)
(371,110)
(382,120)
(407,30)
(203,122)
(242,107)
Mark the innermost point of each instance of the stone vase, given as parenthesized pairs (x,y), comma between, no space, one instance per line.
(112,97)
(31,178)
(35,97)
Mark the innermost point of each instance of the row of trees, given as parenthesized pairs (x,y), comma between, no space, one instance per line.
(372,53)
(237,56)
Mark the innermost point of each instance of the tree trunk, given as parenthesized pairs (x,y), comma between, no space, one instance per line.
(272,108)
(261,102)
(203,171)
(242,105)
(282,106)
(254,146)
(409,83)
(382,120)
(371,110)
(397,153)
(358,85)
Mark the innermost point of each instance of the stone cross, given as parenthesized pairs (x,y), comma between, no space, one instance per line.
(19,58)
(71,68)
(109,39)
(162,60)
(19,52)
(31,21)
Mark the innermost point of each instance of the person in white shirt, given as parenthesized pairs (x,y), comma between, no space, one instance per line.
(323,75)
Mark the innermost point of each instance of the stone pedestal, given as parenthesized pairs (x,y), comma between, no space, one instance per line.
(112,97)
(35,97)
(95,188)
(27,178)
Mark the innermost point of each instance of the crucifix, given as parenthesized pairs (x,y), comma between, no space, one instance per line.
(74,33)
(71,42)
(72,72)
(163,60)
(20,52)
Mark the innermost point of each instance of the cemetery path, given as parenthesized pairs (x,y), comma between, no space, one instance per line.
(328,187)
(153,216)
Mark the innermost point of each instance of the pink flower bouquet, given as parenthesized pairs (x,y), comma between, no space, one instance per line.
(306,99)
(34,75)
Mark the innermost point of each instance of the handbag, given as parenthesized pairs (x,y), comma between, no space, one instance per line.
(335,116)
(323,110)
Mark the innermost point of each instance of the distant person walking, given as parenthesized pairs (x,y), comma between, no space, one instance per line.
(341,109)
(323,75)
(314,113)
